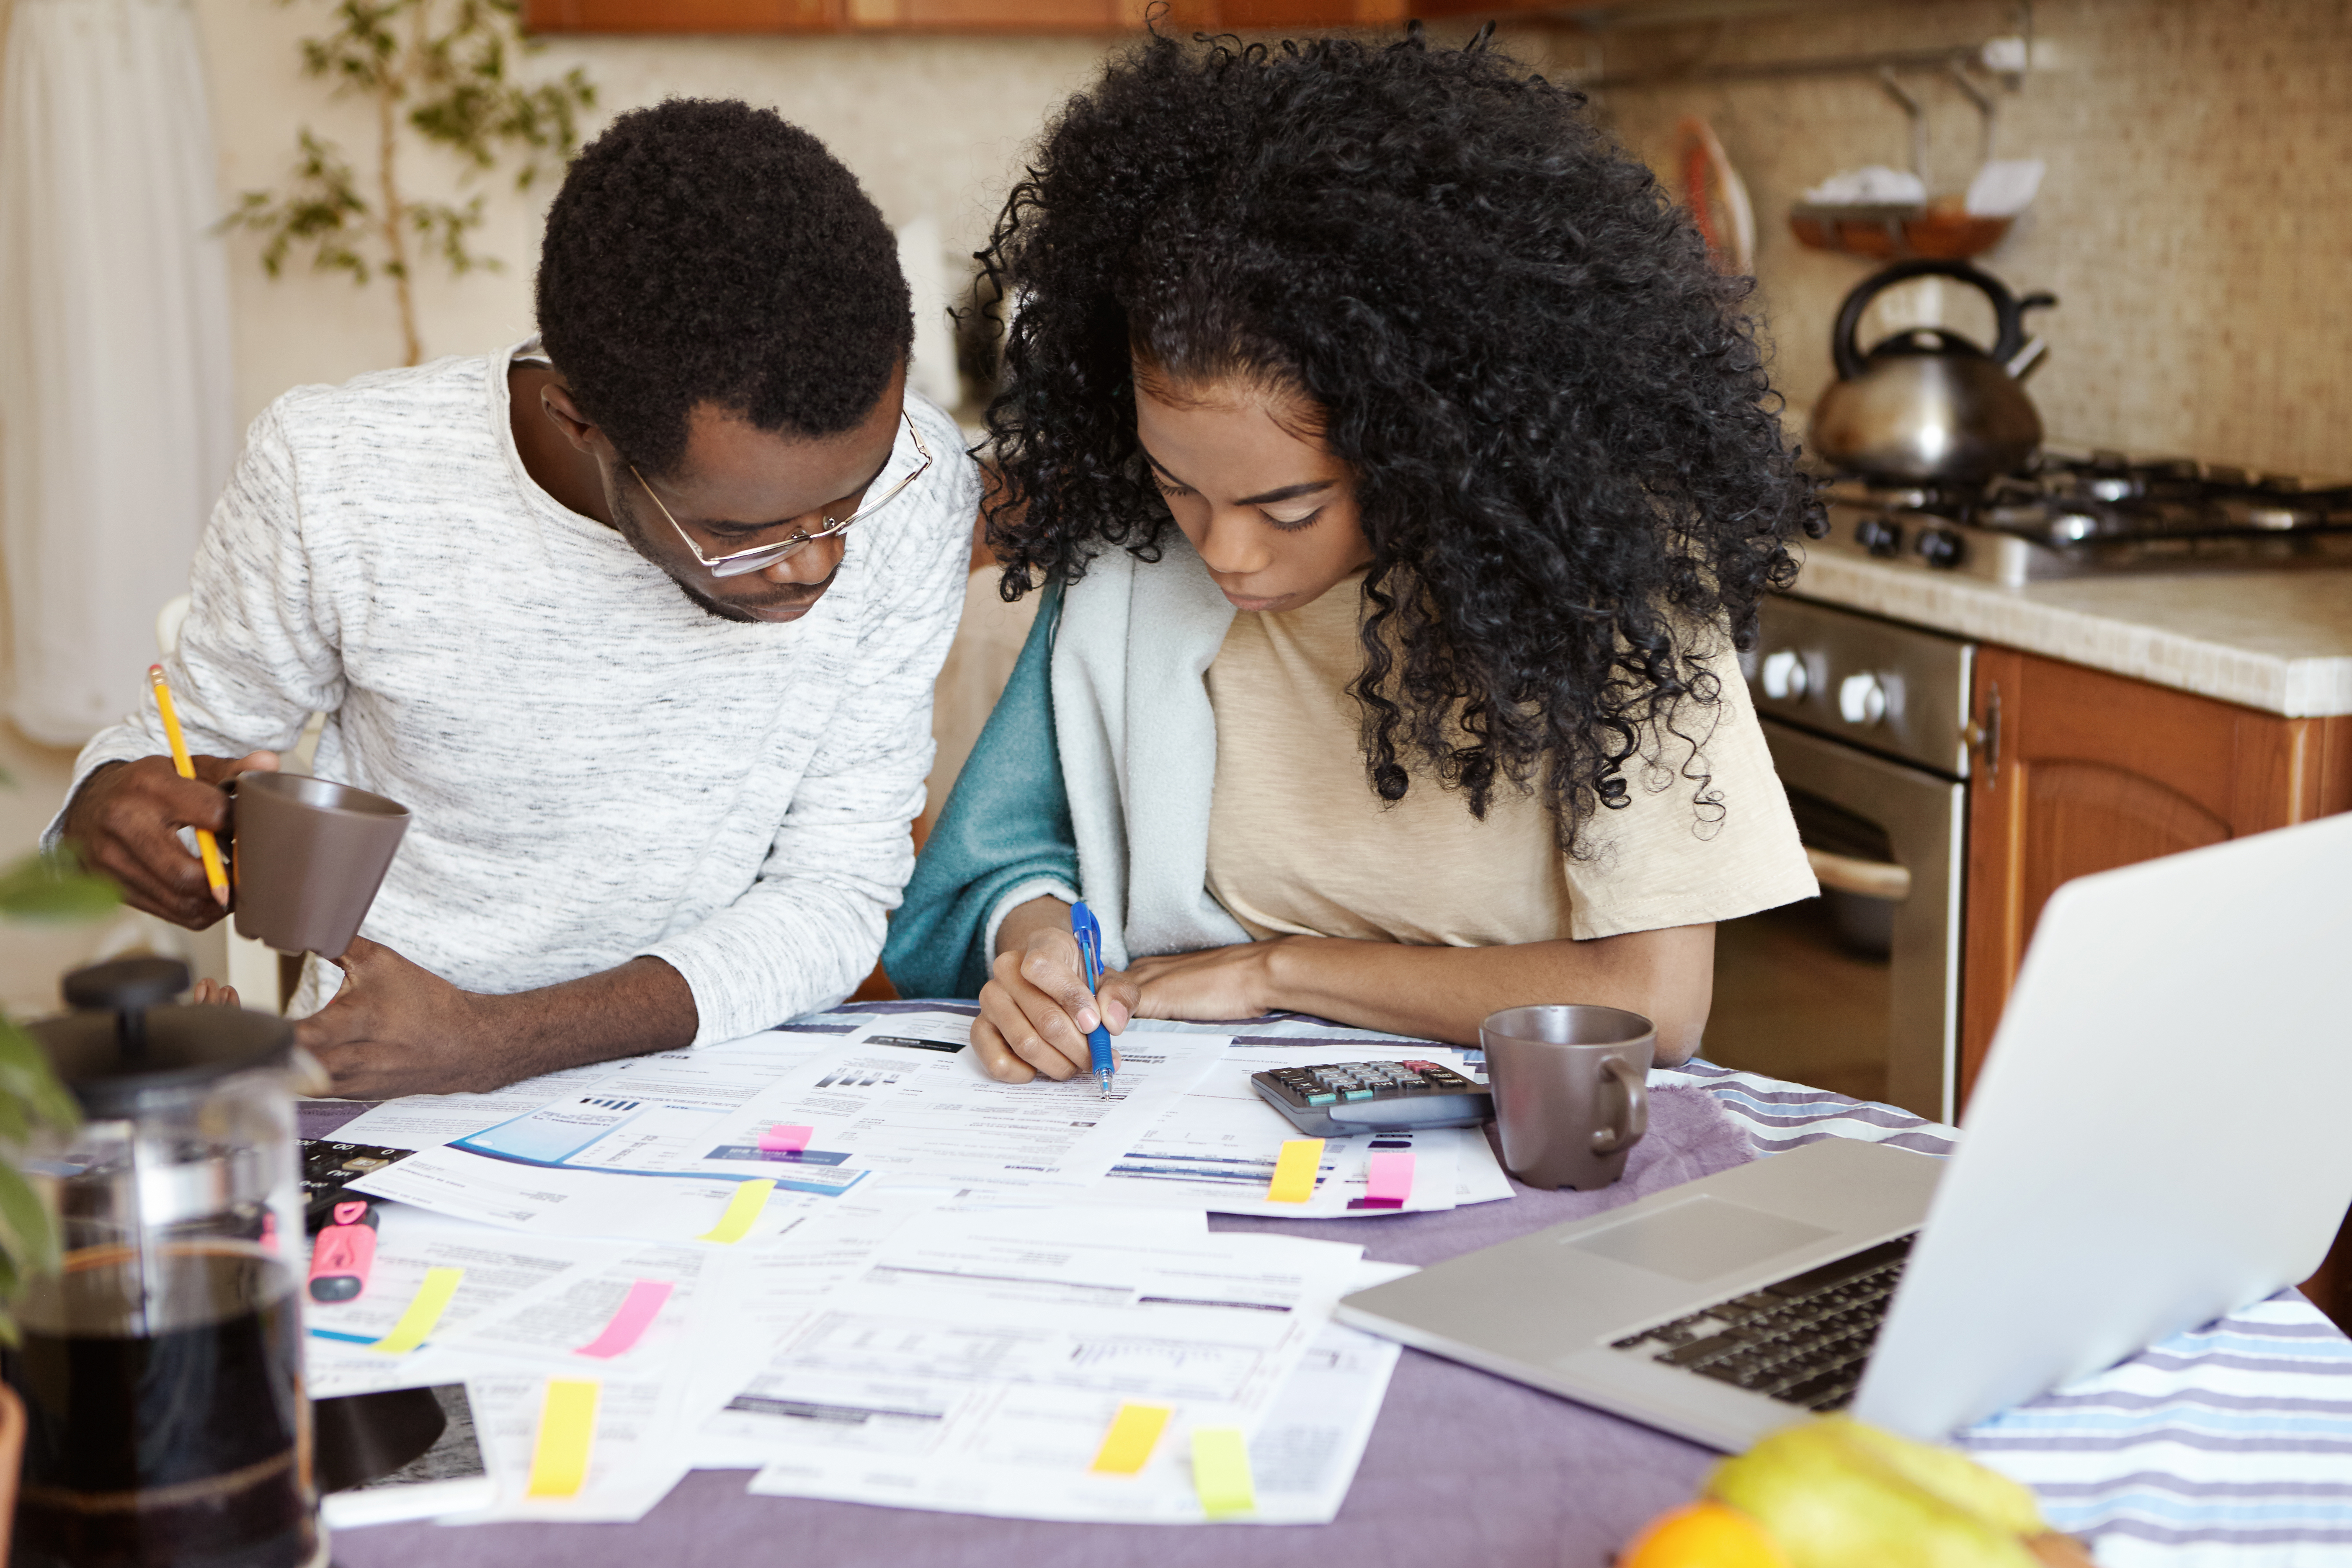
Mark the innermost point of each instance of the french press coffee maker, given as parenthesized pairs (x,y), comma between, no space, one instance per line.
(162,1365)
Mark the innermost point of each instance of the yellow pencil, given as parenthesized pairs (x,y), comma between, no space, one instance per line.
(205,843)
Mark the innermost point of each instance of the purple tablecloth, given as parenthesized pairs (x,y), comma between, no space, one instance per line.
(1463,1468)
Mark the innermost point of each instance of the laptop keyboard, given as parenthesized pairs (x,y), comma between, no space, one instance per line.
(1803,1340)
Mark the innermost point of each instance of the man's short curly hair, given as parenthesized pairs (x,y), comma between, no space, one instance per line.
(1564,445)
(706,251)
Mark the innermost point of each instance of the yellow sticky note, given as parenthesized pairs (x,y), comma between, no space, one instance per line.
(1221,1471)
(567,1430)
(1134,1433)
(423,1310)
(1294,1171)
(742,1210)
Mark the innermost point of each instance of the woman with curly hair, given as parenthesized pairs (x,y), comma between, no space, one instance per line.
(1400,474)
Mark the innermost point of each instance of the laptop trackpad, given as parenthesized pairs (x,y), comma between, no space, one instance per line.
(1698,1239)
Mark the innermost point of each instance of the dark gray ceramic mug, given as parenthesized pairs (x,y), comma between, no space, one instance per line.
(1571,1090)
(307,857)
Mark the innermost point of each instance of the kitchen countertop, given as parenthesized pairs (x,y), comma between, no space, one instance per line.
(2279,641)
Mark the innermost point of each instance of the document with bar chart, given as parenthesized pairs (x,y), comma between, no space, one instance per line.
(932,1117)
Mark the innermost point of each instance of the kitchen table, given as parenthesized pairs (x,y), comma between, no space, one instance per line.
(2228,1444)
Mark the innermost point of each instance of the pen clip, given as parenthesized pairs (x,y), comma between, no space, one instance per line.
(1089,931)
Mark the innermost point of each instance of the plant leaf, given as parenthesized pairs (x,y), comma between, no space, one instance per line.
(53,887)
(26,1078)
(32,1235)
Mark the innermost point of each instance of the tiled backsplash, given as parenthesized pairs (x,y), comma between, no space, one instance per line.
(2196,223)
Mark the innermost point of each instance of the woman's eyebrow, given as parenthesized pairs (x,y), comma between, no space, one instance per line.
(1286,492)
(1155,463)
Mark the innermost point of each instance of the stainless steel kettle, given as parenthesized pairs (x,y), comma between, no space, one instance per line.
(1926,405)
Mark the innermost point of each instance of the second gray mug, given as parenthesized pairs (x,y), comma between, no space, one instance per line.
(1570,1085)
(307,858)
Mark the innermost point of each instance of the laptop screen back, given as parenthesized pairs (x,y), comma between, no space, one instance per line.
(2157,1135)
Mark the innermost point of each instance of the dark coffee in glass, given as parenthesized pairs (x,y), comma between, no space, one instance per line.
(162,1362)
(187,1447)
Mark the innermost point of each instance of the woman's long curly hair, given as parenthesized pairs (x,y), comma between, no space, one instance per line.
(1564,447)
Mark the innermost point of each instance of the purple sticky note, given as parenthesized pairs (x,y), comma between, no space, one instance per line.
(784,1139)
(1389,1183)
(638,1309)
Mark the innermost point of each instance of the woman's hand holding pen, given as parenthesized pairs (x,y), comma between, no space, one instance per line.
(1036,1011)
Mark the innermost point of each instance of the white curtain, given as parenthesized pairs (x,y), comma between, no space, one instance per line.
(117,423)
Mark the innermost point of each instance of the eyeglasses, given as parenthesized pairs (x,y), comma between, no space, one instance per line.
(759,557)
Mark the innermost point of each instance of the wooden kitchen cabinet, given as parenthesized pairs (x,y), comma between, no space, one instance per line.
(1064,17)
(2079,770)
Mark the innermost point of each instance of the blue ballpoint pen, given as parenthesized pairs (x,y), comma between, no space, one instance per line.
(1088,930)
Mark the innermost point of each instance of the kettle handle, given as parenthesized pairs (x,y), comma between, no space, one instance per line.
(2009,311)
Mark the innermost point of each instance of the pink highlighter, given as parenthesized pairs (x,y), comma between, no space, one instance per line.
(343,1253)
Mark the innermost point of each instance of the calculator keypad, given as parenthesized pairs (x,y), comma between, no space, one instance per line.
(1372,1094)
(1333,1084)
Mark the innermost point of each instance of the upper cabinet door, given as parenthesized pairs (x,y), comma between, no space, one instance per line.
(1079,17)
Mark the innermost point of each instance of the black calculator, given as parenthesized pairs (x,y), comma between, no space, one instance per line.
(327,1164)
(1340,1098)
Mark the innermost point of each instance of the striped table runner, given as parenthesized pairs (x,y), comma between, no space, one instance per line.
(2229,1445)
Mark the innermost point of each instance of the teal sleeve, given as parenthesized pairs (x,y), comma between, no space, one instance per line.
(1006,822)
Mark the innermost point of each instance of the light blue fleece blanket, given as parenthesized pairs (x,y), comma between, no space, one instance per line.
(1093,778)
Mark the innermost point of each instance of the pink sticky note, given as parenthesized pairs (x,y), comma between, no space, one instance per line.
(638,1309)
(784,1139)
(1389,1181)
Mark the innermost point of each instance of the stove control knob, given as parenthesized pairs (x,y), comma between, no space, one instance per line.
(1939,547)
(1862,700)
(1784,676)
(1878,536)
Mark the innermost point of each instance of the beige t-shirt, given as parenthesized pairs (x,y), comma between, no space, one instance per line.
(1298,844)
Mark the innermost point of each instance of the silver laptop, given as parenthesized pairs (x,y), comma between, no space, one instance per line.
(2157,1138)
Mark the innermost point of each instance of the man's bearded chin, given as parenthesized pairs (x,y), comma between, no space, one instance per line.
(633,529)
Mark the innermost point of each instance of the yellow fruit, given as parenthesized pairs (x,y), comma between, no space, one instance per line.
(1949,1474)
(1702,1535)
(1832,1501)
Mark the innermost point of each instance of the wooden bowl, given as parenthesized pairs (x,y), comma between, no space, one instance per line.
(1943,230)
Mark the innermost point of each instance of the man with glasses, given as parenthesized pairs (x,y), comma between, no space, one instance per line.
(640,621)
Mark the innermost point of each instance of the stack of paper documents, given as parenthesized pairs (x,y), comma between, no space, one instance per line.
(1216,1147)
(859,1267)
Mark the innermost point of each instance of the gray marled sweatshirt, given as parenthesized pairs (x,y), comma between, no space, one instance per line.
(596,769)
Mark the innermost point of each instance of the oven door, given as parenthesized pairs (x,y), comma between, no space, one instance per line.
(1858,991)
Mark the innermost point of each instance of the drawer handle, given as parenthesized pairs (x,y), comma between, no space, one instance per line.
(1984,739)
(1871,879)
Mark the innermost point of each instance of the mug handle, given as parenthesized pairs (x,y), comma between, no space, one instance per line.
(1627,1128)
(228,837)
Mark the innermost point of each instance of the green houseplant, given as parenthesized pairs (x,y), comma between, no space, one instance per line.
(48,887)
(438,71)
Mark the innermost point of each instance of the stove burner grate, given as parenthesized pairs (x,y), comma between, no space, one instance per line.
(2098,512)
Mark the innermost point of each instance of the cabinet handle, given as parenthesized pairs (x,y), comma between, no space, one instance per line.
(1984,739)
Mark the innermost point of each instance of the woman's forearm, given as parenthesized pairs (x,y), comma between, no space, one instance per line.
(1023,920)
(1444,993)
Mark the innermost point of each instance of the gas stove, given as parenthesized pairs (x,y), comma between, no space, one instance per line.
(2071,516)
